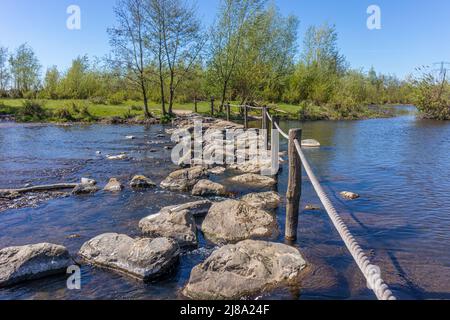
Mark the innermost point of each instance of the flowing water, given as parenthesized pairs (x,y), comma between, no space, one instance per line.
(399,166)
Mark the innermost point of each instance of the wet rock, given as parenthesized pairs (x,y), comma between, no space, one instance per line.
(185,179)
(245,269)
(85,189)
(208,188)
(347,195)
(310,143)
(263,200)
(130,137)
(196,208)
(118,157)
(231,221)
(88,181)
(73,236)
(30,262)
(312,207)
(140,182)
(254,180)
(144,259)
(113,186)
(217,170)
(178,225)
(252,166)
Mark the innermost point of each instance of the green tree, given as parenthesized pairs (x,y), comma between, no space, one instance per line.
(51,83)
(25,70)
(4,71)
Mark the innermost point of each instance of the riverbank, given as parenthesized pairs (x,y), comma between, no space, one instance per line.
(130,112)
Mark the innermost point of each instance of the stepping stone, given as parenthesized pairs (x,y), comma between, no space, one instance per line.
(113,186)
(254,180)
(184,179)
(144,259)
(245,269)
(263,200)
(208,188)
(30,262)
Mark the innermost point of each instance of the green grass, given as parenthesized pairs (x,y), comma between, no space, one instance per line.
(134,109)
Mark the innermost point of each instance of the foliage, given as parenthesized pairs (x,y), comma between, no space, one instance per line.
(433,96)
(33,110)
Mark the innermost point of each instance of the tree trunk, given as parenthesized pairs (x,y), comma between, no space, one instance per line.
(144,94)
(224,93)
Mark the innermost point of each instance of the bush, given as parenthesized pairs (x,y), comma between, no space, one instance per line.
(128,114)
(98,100)
(165,119)
(136,108)
(33,110)
(117,98)
(63,114)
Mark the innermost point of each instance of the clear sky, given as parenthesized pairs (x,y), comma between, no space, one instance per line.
(413,33)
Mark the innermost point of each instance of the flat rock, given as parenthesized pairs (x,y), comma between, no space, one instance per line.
(263,200)
(175,224)
(184,179)
(231,221)
(117,157)
(208,188)
(255,180)
(143,259)
(349,195)
(113,186)
(217,170)
(141,182)
(30,262)
(245,269)
(252,166)
(85,189)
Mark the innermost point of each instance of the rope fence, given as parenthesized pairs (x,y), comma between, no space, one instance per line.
(370,271)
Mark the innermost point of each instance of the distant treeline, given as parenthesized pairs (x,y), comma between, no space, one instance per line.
(161,53)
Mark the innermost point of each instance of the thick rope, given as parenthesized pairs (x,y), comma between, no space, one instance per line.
(370,272)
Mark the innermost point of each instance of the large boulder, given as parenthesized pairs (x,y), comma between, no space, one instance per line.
(143,259)
(175,224)
(245,269)
(30,262)
(208,188)
(254,180)
(263,200)
(113,186)
(252,166)
(184,179)
(231,221)
(141,182)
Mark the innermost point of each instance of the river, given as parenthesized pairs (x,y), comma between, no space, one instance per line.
(400,166)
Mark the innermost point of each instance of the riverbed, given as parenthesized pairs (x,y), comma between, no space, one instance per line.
(400,166)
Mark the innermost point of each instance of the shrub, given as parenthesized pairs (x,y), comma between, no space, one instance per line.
(33,110)
(63,114)
(98,100)
(128,114)
(136,108)
(117,98)
(165,119)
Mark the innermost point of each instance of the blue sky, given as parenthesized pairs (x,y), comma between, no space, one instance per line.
(414,32)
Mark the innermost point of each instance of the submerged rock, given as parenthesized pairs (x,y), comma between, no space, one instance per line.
(310,143)
(85,189)
(140,182)
(349,195)
(175,224)
(245,269)
(196,208)
(144,259)
(113,186)
(232,221)
(118,157)
(30,262)
(263,200)
(312,207)
(254,180)
(184,179)
(208,188)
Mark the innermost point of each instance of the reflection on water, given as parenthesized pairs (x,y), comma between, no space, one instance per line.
(400,166)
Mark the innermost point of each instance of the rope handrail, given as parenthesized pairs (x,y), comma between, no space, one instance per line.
(370,272)
(243,106)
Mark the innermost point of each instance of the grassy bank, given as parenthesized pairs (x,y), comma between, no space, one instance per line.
(86,111)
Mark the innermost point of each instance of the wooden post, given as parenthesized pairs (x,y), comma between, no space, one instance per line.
(195,105)
(245,117)
(228,111)
(294,186)
(265,127)
(275,147)
(212,106)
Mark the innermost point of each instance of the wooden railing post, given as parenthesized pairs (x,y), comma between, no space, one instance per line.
(265,127)
(294,186)
(275,146)
(212,106)
(245,117)
(228,112)
(195,105)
